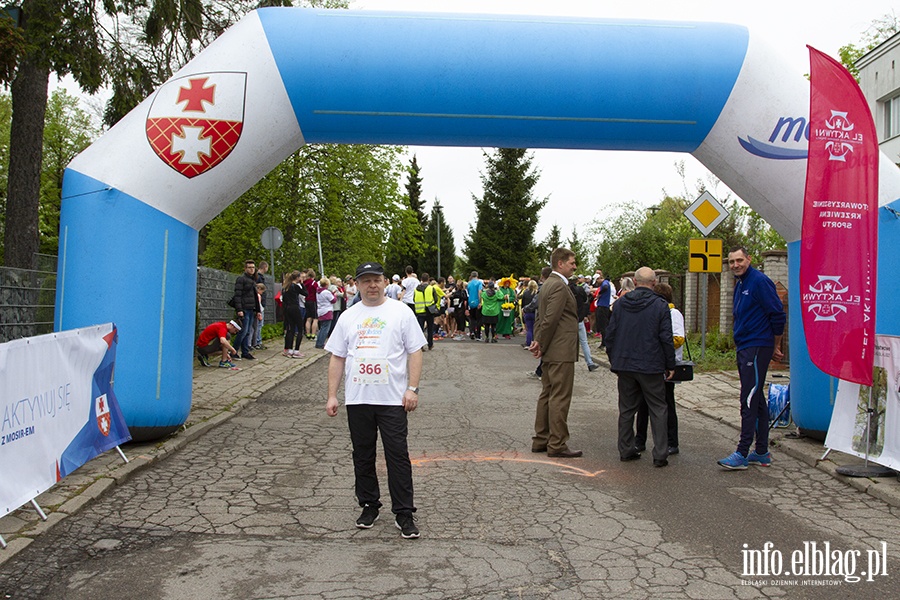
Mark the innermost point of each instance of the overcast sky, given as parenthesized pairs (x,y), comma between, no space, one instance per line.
(580,183)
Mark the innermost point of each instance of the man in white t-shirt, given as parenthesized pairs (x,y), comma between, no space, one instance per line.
(377,347)
(409,285)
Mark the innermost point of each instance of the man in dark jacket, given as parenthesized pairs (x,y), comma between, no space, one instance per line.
(246,303)
(642,355)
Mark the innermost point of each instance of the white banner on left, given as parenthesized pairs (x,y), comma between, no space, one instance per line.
(58,409)
(847,431)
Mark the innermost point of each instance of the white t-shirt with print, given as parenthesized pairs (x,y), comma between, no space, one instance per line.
(376,340)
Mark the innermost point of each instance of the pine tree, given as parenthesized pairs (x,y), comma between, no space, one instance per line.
(414,192)
(429,261)
(577,246)
(502,240)
(406,242)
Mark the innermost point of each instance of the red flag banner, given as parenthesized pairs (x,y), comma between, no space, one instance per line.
(839,238)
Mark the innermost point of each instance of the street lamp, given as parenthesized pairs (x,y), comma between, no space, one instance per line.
(437,210)
(319,239)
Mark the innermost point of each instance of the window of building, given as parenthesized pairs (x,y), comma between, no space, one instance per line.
(891,117)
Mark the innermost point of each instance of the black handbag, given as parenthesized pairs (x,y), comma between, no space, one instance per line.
(684,369)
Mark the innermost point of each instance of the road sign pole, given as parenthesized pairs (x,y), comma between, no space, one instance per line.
(704,310)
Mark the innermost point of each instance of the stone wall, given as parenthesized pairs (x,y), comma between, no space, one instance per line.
(215,287)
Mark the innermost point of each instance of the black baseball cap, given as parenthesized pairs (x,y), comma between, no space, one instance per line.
(369,268)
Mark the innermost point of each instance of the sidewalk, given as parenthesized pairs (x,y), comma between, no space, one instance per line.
(220,394)
(715,395)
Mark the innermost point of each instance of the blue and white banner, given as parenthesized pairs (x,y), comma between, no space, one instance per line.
(850,430)
(58,409)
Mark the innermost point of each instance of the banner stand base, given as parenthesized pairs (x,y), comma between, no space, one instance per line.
(865,471)
(37,508)
(122,454)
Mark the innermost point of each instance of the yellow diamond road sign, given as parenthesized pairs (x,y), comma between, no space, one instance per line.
(706,213)
(705,256)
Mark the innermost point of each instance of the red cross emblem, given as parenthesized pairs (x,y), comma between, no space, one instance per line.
(101,408)
(196,121)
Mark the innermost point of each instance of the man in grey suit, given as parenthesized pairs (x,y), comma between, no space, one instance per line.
(556,344)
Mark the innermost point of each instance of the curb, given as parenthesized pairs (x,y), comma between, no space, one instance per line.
(120,474)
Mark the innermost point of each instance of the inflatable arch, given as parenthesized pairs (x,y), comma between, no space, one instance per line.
(133,202)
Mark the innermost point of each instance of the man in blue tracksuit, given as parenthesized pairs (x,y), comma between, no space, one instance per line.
(758,326)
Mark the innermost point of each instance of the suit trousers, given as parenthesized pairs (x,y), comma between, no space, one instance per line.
(365,421)
(634,387)
(551,428)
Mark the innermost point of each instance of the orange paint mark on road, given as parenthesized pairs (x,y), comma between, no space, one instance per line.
(515,457)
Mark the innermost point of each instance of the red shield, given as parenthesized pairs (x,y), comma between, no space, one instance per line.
(195,121)
(101,408)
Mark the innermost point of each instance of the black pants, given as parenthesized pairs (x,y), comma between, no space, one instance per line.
(633,388)
(426,322)
(643,418)
(601,321)
(475,322)
(293,326)
(365,421)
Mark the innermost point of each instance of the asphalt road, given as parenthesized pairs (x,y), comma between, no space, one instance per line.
(263,507)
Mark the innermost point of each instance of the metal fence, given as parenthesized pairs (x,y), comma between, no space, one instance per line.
(27,299)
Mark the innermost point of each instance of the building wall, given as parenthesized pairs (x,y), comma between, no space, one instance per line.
(879,79)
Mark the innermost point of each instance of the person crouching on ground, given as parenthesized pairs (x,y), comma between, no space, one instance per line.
(214,339)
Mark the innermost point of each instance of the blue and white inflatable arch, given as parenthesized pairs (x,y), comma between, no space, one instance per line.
(134,201)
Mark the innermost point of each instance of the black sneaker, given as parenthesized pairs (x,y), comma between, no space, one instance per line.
(368,517)
(406,523)
(203,359)
(248,356)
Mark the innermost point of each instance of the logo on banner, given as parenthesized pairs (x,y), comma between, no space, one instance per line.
(104,421)
(788,140)
(195,121)
(839,136)
(828,298)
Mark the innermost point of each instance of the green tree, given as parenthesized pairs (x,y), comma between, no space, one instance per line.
(351,189)
(879,30)
(61,37)
(414,192)
(161,36)
(406,242)
(634,236)
(543,250)
(67,131)
(502,240)
(428,264)
(5,120)
(577,246)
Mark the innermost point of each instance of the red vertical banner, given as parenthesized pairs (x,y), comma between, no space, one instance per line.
(839,237)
